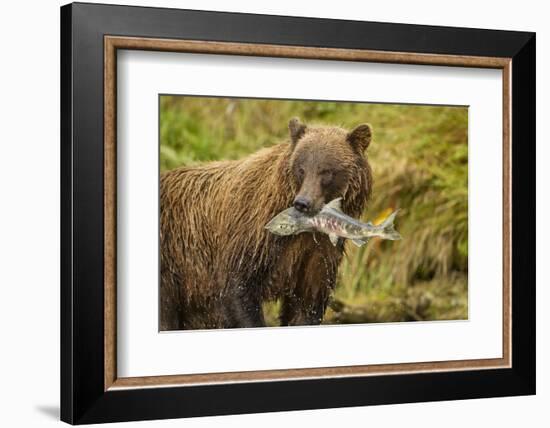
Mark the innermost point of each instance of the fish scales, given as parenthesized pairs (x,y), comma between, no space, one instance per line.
(333,222)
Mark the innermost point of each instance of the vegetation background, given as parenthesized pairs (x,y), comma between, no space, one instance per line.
(419,157)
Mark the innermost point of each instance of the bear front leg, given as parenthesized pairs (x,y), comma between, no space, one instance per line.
(295,311)
(244,309)
(306,303)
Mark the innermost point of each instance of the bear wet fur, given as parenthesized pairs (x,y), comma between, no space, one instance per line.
(219,263)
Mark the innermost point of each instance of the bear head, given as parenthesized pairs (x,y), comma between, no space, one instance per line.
(327,163)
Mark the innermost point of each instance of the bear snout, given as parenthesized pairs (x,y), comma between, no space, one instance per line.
(303,204)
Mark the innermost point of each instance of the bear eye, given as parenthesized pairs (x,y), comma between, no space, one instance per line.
(327,175)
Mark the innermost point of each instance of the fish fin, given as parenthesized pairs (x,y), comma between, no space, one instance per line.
(335,204)
(388,230)
(333,238)
(359,242)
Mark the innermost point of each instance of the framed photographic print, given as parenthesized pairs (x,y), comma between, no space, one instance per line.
(265,213)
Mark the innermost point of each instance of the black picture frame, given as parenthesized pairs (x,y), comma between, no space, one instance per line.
(83,398)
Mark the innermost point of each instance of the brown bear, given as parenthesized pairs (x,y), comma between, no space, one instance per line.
(219,263)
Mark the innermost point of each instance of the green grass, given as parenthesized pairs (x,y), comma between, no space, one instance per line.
(419,157)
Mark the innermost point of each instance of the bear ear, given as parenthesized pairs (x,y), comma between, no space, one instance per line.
(297,129)
(360,137)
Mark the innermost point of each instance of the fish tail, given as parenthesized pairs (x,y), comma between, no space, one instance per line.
(388,229)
